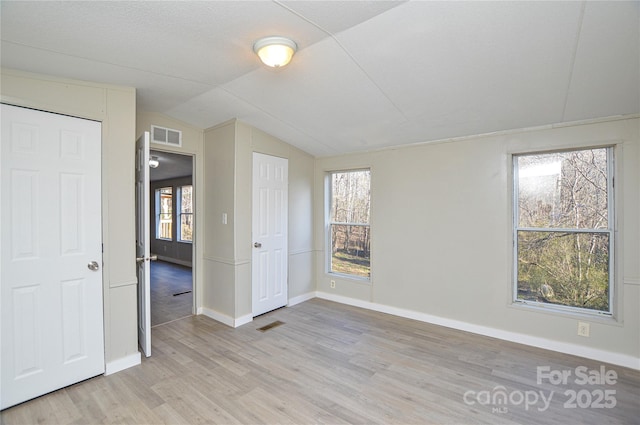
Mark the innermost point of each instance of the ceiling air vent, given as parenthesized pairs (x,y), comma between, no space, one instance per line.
(166,136)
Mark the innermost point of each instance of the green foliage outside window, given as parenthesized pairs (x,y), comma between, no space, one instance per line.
(563,228)
(350,233)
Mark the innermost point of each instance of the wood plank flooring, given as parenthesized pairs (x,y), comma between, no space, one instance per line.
(333,364)
(168,279)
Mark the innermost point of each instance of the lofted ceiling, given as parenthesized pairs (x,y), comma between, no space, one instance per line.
(368,74)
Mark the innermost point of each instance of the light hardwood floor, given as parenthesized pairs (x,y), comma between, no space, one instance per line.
(168,279)
(332,364)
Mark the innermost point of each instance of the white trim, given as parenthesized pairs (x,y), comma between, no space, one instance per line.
(547,344)
(610,231)
(222,318)
(120,284)
(301,298)
(123,363)
(225,319)
(300,251)
(243,320)
(228,261)
(499,133)
(632,280)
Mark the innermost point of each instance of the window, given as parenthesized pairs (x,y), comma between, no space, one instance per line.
(563,229)
(164,213)
(349,231)
(185,213)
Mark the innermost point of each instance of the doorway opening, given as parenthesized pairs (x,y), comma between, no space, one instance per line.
(171,187)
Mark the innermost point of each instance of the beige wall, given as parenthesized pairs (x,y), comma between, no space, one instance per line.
(228,152)
(300,231)
(191,145)
(441,232)
(115,108)
(441,237)
(219,242)
(223,183)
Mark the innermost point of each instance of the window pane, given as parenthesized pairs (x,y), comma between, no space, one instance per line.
(563,190)
(564,268)
(185,199)
(165,226)
(164,211)
(350,249)
(186,227)
(166,200)
(186,213)
(350,194)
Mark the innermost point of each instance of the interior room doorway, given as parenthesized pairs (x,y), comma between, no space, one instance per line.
(172,204)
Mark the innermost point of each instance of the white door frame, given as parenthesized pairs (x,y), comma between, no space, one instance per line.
(194,200)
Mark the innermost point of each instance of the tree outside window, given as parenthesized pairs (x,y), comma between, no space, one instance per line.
(164,213)
(563,226)
(186,213)
(349,229)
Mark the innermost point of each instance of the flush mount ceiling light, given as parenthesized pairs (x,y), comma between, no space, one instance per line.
(275,51)
(154,162)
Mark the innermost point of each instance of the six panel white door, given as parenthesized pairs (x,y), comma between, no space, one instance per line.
(51,253)
(269,227)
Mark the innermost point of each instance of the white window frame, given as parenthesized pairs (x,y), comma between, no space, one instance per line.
(158,194)
(610,231)
(181,213)
(329,223)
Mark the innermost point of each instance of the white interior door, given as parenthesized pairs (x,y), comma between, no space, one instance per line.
(142,243)
(269,228)
(51,253)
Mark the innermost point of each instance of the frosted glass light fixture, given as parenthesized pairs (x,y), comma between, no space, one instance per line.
(275,51)
(154,162)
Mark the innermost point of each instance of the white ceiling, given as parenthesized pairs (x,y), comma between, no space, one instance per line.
(368,74)
(171,166)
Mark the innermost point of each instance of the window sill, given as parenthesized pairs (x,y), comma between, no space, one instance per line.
(605,319)
(354,279)
(186,242)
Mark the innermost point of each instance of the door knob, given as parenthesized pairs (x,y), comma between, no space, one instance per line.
(93,266)
(141,259)
(257,245)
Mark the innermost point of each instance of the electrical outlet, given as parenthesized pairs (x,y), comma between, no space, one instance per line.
(583,329)
(333,284)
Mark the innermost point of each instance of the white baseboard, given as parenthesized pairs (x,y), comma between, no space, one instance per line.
(243,320)
(547,344)
(185,263)
(225,319)
(124,363)
(301,298)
